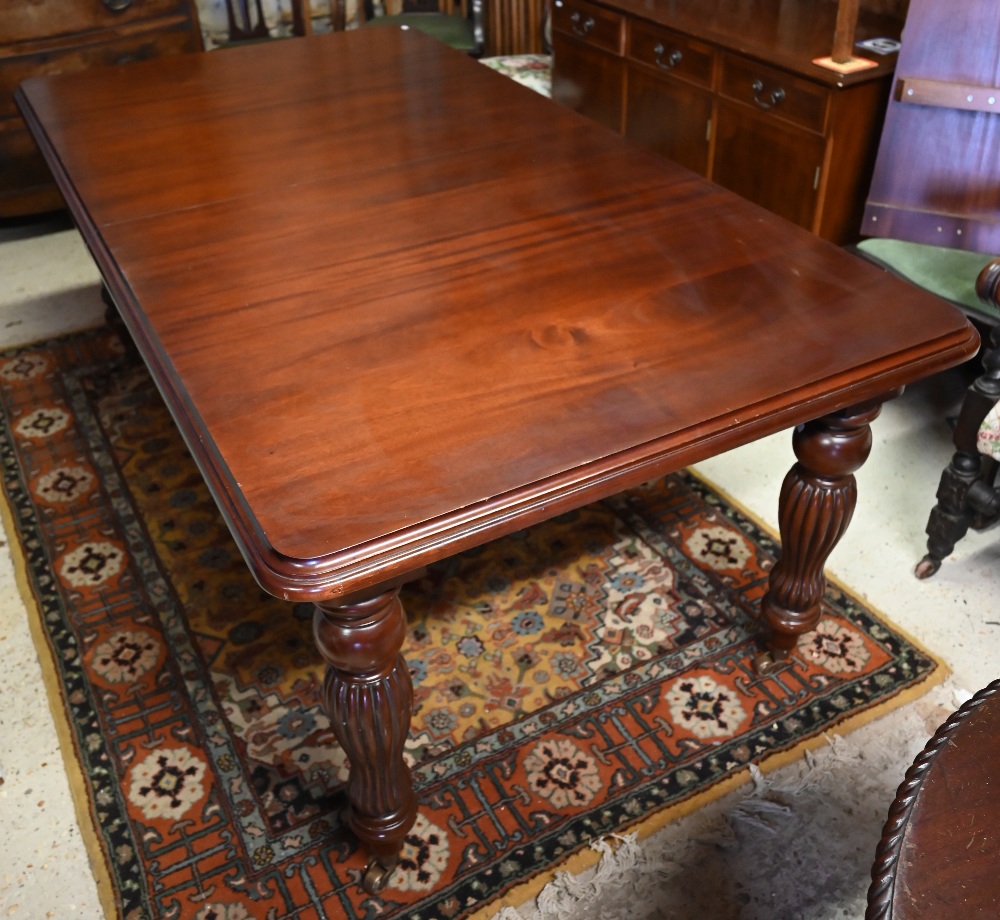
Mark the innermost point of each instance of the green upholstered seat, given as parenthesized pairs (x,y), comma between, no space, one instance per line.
(949,273)
(456,31)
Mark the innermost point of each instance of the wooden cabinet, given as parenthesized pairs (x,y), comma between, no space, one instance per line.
(59,36)
(730,90)
(592,38)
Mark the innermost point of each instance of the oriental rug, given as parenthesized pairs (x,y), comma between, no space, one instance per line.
(573,680)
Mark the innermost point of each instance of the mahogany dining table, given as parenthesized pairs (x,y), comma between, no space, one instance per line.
(399,306)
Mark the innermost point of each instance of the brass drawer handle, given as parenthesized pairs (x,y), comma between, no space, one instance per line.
(771,99)
(585,28)
(671,61)
(117,6)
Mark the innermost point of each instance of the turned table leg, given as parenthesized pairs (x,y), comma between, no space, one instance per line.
(817,501)
(369,697)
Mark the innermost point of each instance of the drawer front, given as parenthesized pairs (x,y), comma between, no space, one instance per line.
(590,23)
(775,92)
(135,47)
(45,19)
(672,53)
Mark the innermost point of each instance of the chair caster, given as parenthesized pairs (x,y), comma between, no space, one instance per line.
(927,567)
(767,662)
(376,876)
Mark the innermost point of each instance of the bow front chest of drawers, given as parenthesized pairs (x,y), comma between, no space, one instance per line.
(729,89)
(62,36)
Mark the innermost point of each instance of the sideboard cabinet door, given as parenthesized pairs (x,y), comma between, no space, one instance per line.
(588,42)
(768,161)
(669,94)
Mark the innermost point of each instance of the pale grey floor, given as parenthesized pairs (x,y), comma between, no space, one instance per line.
(796,845)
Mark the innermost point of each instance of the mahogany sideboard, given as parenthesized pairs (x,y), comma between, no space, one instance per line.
(44,37)
(729,89)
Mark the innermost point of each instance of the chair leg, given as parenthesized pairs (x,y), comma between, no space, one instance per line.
(243,24)
(966,497)
(985,496)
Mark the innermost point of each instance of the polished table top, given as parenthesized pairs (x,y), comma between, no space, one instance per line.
(400,305)
(938,853)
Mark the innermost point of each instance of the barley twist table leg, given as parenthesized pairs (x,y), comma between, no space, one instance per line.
(817,501)
(369,698)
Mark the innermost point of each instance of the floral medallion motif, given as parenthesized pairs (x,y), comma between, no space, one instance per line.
(91,564)
(64,485)
(24,367)
(424,857)
(167,783)
(705,707)
(561,773)
(719,547)
(126,656)
(838,650)
(42,423)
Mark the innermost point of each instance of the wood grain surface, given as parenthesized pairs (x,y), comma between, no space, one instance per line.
(937,856)
(400,305)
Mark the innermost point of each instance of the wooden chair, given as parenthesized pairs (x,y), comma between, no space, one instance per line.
(519,42)
(517,27)
(935,197)
(247,22)
(968,494)
(458,23)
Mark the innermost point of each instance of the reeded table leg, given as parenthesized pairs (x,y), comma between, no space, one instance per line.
(817,501)
(369,698)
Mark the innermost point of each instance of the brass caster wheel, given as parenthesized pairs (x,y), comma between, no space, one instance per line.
(765,663)
(376,876)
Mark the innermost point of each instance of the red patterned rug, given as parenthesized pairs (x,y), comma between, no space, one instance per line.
(572,680)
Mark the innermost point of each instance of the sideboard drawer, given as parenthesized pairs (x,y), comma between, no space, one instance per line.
(44,19)
(670,52)
(730,89)
(135,47)
(776,92)
(42,37)
(591,24)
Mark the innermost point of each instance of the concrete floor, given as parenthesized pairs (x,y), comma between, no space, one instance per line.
(795,845)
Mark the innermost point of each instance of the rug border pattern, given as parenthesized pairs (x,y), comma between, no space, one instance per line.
(42,601)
